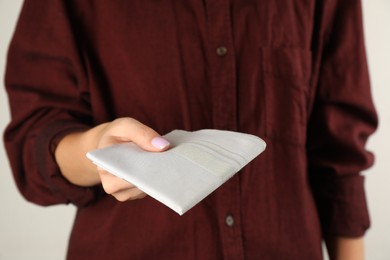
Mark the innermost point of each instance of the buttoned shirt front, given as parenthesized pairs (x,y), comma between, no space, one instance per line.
(290,71)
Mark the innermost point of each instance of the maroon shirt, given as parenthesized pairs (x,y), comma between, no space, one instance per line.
(290,71)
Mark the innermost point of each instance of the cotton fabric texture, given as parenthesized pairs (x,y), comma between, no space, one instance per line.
(291,71)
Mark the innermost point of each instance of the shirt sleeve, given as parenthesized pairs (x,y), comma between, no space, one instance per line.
(342,119)
(45,82)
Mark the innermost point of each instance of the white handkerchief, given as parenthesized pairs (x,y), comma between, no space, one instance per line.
(195,165)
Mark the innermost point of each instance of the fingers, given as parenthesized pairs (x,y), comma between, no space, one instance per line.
(127,195)
(112,184)
(118,188)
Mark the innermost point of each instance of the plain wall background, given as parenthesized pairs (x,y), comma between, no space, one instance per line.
(32,232)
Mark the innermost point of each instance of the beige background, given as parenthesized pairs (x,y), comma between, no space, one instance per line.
(31,232)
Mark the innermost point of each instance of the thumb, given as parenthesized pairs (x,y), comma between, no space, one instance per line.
(160,143)
(129,129)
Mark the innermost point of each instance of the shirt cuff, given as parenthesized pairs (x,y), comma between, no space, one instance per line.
(341,205)
(44,149)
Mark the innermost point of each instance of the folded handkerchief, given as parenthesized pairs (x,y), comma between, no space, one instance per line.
(195,165)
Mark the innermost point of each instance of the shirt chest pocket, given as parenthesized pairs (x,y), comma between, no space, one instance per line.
(285,79)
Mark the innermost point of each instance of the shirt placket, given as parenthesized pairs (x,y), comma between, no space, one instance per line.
(222,65)
(224,96)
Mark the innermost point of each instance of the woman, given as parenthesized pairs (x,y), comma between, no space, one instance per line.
(82,75)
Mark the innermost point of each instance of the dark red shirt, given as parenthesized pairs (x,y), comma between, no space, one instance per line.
(293,72)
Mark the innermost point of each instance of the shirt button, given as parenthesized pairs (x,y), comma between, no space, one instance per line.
(221,51)
(229,220)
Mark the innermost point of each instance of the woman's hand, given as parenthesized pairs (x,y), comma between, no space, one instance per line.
(70,154)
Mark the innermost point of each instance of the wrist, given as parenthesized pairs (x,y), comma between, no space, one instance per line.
(344,248)
(71,159)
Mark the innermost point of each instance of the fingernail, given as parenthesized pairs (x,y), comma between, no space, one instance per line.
(160,143)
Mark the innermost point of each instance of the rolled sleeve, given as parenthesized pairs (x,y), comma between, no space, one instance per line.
(49,171)
(47,93)
(342,119)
